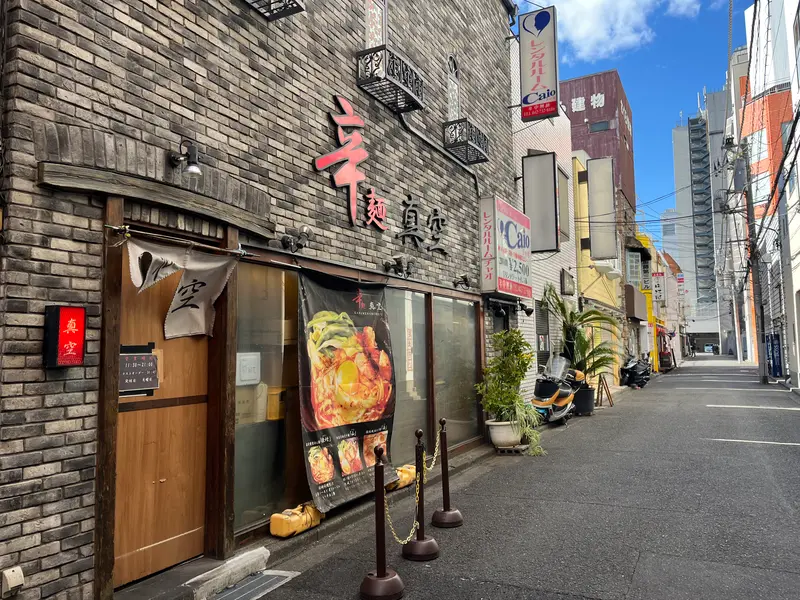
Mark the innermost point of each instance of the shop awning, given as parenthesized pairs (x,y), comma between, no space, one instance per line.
(634,245)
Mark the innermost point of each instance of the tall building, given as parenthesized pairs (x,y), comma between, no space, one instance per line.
(602,126)
(697,243)
(669,234)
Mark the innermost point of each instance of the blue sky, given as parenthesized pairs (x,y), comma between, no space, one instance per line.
(665,52)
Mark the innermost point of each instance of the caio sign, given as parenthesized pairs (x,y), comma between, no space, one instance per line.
(505,250)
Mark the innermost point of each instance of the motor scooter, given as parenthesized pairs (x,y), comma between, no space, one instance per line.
(554,392)
(634,373)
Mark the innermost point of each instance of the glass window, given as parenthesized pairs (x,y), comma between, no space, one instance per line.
(761,188)
(563,204)
(406,312)
(757,146)
(599,126)
(455,357)
(786,128)
(634,269)
(453,102)
(268,475)
(376,23)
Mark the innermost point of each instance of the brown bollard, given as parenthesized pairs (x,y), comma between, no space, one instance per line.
(383,583)
(424,547)
(447,516)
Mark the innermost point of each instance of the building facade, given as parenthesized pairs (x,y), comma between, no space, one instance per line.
(602,126)
(333,140)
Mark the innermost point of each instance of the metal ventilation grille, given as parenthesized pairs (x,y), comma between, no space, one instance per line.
(256,586)
(277,9)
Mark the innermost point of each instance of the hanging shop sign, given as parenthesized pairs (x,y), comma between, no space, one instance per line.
(203,278)
(538,63)
(567,283)
(505,249)
(647,276)
(192,309)
(659,292)
(540,200)
(681,286)
(602,209)
(347,385)
(64,336)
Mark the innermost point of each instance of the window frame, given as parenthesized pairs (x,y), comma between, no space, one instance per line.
(634,279)
(593,129)
(454,80)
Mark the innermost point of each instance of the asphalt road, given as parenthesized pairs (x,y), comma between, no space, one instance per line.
(683,490)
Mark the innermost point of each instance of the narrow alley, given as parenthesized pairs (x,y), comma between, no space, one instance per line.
(685,489)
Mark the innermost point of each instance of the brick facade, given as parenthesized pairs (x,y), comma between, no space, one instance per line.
(116,86)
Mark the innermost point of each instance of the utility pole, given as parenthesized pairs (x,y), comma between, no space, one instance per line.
(755,269)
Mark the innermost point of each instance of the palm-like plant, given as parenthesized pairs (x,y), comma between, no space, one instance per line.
(574,321)
(592,359)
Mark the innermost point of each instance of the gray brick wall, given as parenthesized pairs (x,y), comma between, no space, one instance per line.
(118,84)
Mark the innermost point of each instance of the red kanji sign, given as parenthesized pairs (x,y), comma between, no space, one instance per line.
(65,336)
(350,152)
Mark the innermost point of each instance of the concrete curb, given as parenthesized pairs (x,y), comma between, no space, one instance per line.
(229,573)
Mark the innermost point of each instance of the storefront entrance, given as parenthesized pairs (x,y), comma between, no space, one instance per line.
(161,441)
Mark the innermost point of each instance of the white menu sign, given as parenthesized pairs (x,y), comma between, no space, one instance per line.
(658,287)
(505,249)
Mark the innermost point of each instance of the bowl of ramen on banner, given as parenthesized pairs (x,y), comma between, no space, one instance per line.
(351,377)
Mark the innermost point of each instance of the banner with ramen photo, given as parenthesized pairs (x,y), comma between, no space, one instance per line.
(347,385)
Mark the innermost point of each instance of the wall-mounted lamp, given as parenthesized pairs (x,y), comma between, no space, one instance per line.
(190,158)
(462,281)
(304,236)
(528,310)
(400,265)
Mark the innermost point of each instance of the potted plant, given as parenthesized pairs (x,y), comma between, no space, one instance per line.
(574,321)
(511,419)
(591,359)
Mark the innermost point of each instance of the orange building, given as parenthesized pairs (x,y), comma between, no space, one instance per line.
(767,121)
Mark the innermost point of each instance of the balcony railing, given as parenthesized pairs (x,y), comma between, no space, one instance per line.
(465,141)
(390,78)
(277,9)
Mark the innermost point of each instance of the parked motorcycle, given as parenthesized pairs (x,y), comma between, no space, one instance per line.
(634,373)
(555,389)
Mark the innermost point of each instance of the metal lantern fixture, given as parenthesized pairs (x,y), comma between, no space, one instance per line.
(292,243)
(277,9)
(189,158)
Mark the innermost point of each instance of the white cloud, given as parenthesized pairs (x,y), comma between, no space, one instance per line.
(717,4)
(683,8)
(597,29)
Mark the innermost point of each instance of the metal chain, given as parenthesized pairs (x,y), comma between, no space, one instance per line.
(435,458)
(414,527)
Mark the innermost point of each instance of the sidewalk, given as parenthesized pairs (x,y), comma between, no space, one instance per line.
(498,534)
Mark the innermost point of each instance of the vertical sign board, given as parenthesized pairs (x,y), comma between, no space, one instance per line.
(64,336)
(538,63)
(681,287)
(602,209)
(647,277)
(659,292)
(505,249)
(540,200)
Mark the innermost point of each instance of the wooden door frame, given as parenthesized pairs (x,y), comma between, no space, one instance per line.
(220,428)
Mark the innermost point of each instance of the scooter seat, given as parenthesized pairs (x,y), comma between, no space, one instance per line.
(564,392)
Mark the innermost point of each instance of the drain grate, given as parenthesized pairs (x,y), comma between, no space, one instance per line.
(256,586)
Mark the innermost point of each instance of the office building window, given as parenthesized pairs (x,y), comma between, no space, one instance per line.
(757,146)
(760,188)
(599,126)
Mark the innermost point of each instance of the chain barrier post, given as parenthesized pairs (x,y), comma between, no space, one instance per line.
(447,516)
(384,583)
(424,547)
